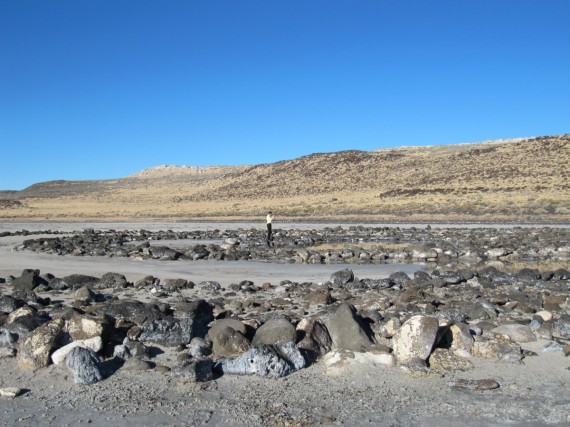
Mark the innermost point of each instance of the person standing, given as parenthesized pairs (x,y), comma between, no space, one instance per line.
(269,230)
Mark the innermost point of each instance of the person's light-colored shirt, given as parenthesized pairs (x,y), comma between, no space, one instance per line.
(269,218)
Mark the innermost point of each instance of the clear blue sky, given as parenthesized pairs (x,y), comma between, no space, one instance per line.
(103,89)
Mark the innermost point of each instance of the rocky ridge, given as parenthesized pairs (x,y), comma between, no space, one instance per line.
(517,180)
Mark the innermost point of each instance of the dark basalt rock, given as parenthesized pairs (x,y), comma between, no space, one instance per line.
(23,325)
(112,280)
(8,304)
(127,310)
(29,280)
(400,278)
(274,331)
(341,278)
(315,341)
(168,331)
(76,281)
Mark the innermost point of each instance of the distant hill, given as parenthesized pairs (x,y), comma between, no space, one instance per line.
(523,179)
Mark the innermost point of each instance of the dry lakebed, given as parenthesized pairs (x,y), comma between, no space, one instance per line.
(183,324)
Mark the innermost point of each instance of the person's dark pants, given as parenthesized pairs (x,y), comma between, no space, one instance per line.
(269,236)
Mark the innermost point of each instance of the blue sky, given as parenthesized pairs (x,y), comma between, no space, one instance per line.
(103,89)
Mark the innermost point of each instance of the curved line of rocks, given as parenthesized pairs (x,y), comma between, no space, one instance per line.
(445,246)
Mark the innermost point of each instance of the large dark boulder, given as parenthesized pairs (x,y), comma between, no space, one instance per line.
(127,310)
(112,280)
(29,280)
(8,304)
(274,331)
(189,321)
(76,281)
(400,278)
(347,331)
(341,278)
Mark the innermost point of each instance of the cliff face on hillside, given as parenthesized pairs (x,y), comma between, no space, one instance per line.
(522,179)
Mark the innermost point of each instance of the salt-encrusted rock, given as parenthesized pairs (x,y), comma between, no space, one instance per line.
(422,253)
(446,360)
(562,326)
(262,360)
(57,284)
(94,344)
(316,340)
(545,315)
(10,391)
(561,274)
(168,331)
(474,385)
(454,315)
(289,351)
(228,342)
(23,321)
(129,349)
(81,327)
(515,332)
(8,304)
(389,328)
(35,349)
(274,331)
(341,278)
(461,339)
(85,295)
(496,253)
(339,362)
(209,285)
(85,366)
(552,347)
(400,278)
(346,332)
(199,347)
(501,349)
(7,339)
(415,339)
(156,327)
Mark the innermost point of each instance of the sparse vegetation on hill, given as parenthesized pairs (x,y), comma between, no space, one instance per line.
(520,180)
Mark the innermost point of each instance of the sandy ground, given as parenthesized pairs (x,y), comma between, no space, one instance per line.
(535,393)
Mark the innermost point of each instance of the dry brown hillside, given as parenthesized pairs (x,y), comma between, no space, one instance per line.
(521,180)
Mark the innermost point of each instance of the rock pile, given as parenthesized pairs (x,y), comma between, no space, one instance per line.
(428,324)
(348,245)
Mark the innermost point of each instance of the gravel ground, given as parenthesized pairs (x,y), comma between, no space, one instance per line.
(534,393)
